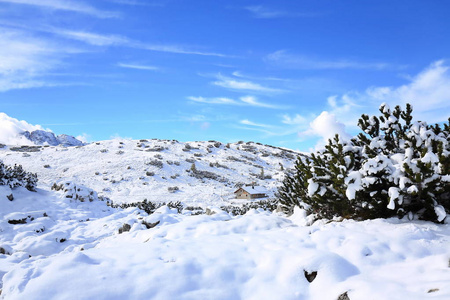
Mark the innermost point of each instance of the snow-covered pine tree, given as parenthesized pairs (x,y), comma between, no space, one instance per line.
(395,167)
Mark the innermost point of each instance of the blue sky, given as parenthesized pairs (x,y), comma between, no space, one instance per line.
(286,73)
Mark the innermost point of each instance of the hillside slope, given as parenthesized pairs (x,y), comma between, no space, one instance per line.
(157,170)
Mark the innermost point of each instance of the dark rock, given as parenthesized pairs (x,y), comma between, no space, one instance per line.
(310,276)
(343,296)
(125,227)
(150,225)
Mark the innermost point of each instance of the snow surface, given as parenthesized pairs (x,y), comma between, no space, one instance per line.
(259,255)
(54,247)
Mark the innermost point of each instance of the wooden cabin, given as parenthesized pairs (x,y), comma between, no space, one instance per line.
(250,192)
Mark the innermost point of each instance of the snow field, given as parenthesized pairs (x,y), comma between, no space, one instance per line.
(117,169)
(259,255)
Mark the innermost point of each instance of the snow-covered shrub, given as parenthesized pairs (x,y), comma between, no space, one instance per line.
(16,176)
(173,189)
(75,191)
(396,167)
(155,162)
(149,206)
(267,204)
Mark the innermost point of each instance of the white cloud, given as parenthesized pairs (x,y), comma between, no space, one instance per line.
(250,123)
(138,67)
(284,59)
(175,49)
(263,12)
(326,126)
(243,101)
(73,6)
(233,84)
(252,101)
(92,38)
(84,137)
(428,92)
(136,3)
(96,39)
(241,75)
(296,120)
(220,100)
(24,58)
(7,84)
(21,53)
(10,129)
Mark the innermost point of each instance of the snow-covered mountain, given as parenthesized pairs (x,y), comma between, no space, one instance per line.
(157,170)
(42,137)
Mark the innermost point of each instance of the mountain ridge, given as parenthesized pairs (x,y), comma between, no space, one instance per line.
(43,137)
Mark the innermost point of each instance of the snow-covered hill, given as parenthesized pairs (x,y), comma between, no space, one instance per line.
(157,170)
(58,247)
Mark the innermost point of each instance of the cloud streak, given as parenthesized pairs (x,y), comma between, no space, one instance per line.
(92,38)
(135,3)
(77,7)
(263,12)
(250,123)
(24,59)
(233,84)
(286,60)
(106,40)
(138,67)
(243,101)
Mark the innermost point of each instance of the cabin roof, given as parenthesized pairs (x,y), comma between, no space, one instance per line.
(252,190)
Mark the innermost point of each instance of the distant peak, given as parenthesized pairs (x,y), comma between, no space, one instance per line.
(42,137)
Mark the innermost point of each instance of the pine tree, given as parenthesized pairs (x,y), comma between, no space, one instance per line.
(395,167)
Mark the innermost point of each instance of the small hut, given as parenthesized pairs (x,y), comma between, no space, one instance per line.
(251,192)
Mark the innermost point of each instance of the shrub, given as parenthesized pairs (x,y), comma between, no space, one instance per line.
(155,162)
(16,176)
(149,206)
(75,191)
(396,167)
(173,189)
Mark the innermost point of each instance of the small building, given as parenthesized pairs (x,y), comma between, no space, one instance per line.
(251,192)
